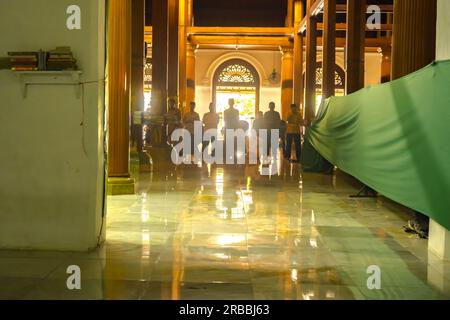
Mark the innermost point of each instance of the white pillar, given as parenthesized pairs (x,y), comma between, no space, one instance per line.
(439,252)
(439,237)
(439,240)
(443,25)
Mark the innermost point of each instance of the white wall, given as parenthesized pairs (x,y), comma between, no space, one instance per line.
(443,28)
(372,65)
(372,68)
(439,237)
(51,192)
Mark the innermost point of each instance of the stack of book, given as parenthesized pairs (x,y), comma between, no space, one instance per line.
(61,59)
(24,61)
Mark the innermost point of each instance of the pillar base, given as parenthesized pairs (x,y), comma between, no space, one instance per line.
(439,240)
(438,273)
(120,186)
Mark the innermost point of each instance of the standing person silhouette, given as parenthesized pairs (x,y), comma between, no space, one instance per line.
(211,121)
(272,120)
(258,125)
(231,118)
(188,121)
(294,124)
(173,118)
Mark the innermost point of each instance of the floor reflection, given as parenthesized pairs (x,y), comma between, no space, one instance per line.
(228,232)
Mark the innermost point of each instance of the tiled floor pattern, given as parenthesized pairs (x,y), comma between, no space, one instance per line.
(229,233)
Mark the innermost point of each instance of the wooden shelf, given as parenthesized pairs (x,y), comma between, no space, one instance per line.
(28,78)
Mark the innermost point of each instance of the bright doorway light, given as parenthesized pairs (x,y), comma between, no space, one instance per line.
(245,102)
(147,99)
(318,102)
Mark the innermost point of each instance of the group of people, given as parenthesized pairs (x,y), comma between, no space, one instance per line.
(290,130)
(210,120)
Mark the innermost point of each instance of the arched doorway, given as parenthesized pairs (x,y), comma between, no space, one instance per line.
(237,79)
(339,82)
(148,82)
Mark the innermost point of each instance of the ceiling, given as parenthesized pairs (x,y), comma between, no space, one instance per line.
(240,13)
(243,13)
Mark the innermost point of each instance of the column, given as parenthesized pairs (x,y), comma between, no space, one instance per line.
(172,82)
(190,74)
(289,22)
(386,54)
(298,55)
(389,20)
(443,25)
(119,79)
(386,64)
(159,56)
(138,55)
(137,68)
(355,48)
(329,49)
(182,37)
(414,39)
(439,236)
(287,73)
(311,64)
(190,12)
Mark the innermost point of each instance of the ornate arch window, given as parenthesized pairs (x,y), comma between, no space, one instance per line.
(339,77)
(236,75)
(148,74)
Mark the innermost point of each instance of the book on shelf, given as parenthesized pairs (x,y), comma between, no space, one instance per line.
(24,65)
(62,49)
(23,60)
(18,61)
(24,69)
(61,60)
(23,53)
(60,56)
(58,59)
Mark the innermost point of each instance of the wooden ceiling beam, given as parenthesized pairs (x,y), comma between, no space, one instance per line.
(385,8)
(257,44)
(241,40)
(302,26)
(269,43)
(343,26)
(317,8)
(241,47)
(371,47)
(369,42)
(241,31)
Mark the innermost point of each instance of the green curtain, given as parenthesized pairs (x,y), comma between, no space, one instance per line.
(394,137)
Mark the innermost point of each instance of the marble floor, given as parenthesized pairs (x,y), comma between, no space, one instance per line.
(229,233)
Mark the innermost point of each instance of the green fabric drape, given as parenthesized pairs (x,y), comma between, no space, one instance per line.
(393,137)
